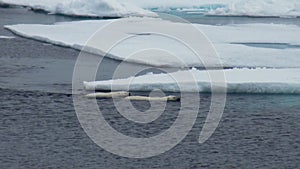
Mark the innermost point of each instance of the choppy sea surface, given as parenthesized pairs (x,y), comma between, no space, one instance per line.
(39,127)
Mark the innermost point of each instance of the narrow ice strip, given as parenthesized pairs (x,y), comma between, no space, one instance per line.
(91,8)
(230,42)
(272,81)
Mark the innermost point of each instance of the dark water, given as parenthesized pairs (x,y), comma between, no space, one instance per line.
(39,127)
(41,130)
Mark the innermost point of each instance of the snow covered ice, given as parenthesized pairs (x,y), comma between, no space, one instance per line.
(91,8)
(120,8)
(272,81)
(230,41)
(274,46)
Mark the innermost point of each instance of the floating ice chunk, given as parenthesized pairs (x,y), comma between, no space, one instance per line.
(275,81)
(230,42)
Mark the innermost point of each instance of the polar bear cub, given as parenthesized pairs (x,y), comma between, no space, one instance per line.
(108,94)
(166,98)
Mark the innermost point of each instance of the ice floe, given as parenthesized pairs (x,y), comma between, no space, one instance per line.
(261,80)
(230,41)
(90,8)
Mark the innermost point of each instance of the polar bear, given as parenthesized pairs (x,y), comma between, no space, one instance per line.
(166,98)
(108,94)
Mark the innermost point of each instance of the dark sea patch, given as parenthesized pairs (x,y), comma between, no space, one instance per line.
(41,130)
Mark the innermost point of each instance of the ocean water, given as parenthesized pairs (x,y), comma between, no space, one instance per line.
(39,127)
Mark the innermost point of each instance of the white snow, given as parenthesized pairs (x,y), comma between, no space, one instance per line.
(275,81)
(94,8)
(226,39)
